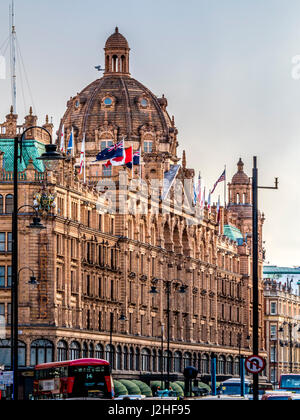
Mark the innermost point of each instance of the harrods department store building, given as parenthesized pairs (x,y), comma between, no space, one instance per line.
(95,267)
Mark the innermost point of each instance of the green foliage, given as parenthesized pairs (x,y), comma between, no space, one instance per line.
(131,387)
(120,389)
(145,389)
(155,384)
(203,385)
(181,384)
(177,388)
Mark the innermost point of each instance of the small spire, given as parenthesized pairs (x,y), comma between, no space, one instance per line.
(11,109)
(173,121)
(240,165)
(47,119)
(184,160)
(30,110)
(117,30)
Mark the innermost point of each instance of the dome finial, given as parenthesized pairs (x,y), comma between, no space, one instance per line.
(117,30)
(240,165)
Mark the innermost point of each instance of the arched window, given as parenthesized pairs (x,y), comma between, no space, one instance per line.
(119,358)
(236,366)
(74,350)
(99,351)
(221,365)
(110,355)
(146,354)
(178,361)
(123,64)
(115,63)
(9,203)
(5,348)
(230,365)
(41,351)
(154,361)
(85,352)
(195,360)
(160,361)
(91,350)
(166,359)
(131,359)
(62,351)
(125,358)
(137,359)
(187,358)
(1,204)
(205,364)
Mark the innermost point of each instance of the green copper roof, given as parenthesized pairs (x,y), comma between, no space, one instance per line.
(31,149)
(273,269)
(233,233)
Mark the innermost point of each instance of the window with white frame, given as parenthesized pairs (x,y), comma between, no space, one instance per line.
(273,308)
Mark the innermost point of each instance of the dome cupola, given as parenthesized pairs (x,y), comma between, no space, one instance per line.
(116,54)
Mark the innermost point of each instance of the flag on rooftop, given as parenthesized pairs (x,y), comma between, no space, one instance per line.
(116,150)
(222,178)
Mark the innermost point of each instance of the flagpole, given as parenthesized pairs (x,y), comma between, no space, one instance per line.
(225,189)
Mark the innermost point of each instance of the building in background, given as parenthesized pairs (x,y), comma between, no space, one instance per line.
(106,245)
(282,327)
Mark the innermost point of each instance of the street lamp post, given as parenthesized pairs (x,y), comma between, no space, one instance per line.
(255,249)
(168,289)
(18,143)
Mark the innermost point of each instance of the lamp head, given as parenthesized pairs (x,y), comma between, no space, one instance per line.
(36,224)
(51,157)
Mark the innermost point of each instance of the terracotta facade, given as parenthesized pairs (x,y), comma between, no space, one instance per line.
(95,265)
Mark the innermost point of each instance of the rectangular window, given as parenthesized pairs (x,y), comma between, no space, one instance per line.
(106,171)
(88,285)
(9,242)
(273,332)
(273,308)
(2,276)
(2,241)
(148,146)
(100,321)
(9,276)
(9,313)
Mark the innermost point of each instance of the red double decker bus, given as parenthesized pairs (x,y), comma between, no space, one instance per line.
(81,378)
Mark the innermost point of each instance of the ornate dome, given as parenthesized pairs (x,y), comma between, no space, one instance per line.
(118,106)
(240,177)
(116,41)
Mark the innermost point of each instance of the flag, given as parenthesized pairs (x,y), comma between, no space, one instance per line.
(202,204)
(62,139)
(218,211)
(70,149)
(82,157)
(136,159)
(126,159)
(222,178)
(195,187)
(208,200)
(116,150)
(169,178)
(199,189)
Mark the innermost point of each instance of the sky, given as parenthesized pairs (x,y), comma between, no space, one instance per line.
(227,68)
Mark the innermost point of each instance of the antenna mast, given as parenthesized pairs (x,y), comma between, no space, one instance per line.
(13,58)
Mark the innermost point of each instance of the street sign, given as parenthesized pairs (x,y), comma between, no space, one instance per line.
(6,378)
(255,364)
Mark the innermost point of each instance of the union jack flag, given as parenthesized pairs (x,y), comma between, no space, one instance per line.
(222,178)
(116,150)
